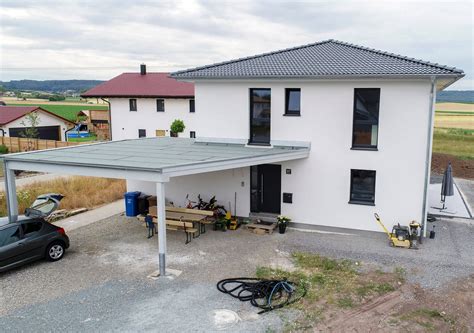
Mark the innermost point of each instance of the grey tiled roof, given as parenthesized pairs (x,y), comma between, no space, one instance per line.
(328,58)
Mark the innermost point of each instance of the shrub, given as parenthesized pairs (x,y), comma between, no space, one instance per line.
(177,126)
(3,149)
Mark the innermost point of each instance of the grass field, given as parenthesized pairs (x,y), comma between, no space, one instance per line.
(93,137)
(454,115)
(64,110)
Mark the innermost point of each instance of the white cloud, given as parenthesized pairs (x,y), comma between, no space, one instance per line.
(100,39)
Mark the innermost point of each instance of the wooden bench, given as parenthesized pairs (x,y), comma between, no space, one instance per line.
(187,227)
(202,223)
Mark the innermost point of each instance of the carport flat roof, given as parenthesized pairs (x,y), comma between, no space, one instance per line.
(141,158)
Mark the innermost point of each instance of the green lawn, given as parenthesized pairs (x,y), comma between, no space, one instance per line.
(454,141)
(66,111)
(93,137)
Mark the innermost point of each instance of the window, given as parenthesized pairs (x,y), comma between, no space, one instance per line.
(142,133)
(9,235)
(29,228)
(260,112)
(191,106)
(292,102)
(192,134)
(366,118)
(362,187)
(160,105)
(133,104)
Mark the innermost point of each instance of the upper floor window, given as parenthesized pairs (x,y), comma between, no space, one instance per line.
(365,126)
(160,105)
(292,102)
(142,133)
(192,134)
(133,104)
(362,187)
(191,106)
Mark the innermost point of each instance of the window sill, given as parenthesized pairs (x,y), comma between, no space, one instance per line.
(292,115)
(363,203)
(365,148)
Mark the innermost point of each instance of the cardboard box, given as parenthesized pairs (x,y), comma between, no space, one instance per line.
(152,201)
(152,210)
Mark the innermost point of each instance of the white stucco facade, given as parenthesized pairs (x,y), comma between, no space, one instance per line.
(45,119)
(126,123)
(320,184)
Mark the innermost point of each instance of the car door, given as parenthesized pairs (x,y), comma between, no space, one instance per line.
(33,239)
(11,247)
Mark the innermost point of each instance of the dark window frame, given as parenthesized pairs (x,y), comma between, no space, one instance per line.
(140,133)
(158,109)
(358,146)
(132,104)
(192,106)
(250,141)
(287,102)
(362,202)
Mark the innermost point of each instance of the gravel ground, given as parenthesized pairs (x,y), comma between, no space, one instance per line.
(101,283)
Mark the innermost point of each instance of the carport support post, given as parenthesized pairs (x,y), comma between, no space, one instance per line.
(161,212)
(10,190)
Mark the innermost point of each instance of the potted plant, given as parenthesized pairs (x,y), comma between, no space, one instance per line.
(282,222)
(177,127)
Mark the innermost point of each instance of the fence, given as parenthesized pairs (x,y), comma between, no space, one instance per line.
(15,145)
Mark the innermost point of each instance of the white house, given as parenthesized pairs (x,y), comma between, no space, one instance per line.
(13,121)
(367,114)
(145,104)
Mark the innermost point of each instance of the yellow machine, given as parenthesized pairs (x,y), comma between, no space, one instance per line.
(402,236)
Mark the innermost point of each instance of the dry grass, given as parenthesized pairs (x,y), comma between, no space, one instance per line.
(79,192)
(455,107)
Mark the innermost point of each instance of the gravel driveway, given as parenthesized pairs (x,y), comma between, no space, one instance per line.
(101,283)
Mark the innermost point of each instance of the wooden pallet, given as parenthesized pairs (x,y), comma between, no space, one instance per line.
(261,229)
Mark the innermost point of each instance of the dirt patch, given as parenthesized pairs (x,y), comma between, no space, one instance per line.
(461,168)
(410,309)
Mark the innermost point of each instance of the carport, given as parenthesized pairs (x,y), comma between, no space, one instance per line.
(148,159)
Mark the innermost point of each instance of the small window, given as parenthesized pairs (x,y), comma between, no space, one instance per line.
(366,118)
(133,104)
(160,105)
(191,106)
(30,228)
(142,133)
(293,102)
(192,134)
(362,187)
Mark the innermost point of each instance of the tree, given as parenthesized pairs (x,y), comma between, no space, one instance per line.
(30,132)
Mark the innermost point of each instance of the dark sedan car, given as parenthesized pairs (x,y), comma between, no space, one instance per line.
(31,237)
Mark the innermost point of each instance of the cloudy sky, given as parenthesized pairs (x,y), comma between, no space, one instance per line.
(100,39)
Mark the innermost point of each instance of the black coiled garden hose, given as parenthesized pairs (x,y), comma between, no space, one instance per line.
(267,295)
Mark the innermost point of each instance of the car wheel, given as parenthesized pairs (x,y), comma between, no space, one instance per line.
(55,251)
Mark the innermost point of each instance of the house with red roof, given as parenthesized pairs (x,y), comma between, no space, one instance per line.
(145,104)
(13,122)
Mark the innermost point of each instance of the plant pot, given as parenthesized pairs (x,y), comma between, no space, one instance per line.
(282,228)
(173,134)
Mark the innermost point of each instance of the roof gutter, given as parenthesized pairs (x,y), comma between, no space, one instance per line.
(429,149)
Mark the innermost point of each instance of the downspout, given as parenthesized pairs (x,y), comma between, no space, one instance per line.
(65,132)
(110,117)
(3,131)
(429,149)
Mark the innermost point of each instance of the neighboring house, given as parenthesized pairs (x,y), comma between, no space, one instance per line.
(50,127)
(367,114)
(98,121)
(145,104)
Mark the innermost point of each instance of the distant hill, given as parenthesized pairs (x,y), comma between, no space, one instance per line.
(54,86)
(455,96)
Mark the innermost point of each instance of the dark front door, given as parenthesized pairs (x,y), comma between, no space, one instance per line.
(44,132)
(265,189)
(260,105)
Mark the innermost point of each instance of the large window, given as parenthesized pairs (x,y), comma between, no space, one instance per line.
(366,118)
(191,106)
(133,104)
(160,105)
(292,102)
(362,187)
(260,108)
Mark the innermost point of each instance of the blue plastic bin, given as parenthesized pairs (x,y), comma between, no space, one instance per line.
(131,203)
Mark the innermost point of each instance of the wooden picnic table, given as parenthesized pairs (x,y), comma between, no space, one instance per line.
(188,217)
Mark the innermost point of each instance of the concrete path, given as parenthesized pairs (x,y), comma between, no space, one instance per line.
(456,206)
(29,180)
(92,216)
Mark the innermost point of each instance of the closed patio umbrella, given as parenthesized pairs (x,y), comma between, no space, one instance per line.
(447,186)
